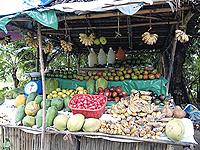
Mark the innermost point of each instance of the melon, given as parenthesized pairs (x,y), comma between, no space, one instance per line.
(91,125)
(175,129)
(60,122)
(75,122)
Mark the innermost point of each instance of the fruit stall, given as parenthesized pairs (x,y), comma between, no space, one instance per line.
(118,100)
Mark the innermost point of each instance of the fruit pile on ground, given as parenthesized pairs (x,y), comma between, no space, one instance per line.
(113,93)
(58,92)
(123,73)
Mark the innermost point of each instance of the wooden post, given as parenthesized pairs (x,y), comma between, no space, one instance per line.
(172,61)
(43,87)
(37,60)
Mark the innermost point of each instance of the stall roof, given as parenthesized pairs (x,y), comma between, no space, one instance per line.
(161,15)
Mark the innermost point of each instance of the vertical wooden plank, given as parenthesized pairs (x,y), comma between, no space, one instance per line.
(1,135)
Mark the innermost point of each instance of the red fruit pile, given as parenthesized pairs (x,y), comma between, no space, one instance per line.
(113,93)
(85,101)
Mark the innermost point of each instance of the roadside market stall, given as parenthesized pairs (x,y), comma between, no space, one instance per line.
(81,139)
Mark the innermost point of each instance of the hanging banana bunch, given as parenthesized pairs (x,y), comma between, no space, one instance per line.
(33,42)
(47,47)
(181,36)
(149,38)
(86,40)
(5,40)
(67,46)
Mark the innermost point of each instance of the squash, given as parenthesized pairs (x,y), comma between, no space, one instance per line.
(121,54)
(179,113)
(51,84)
(20,100)
(32,108)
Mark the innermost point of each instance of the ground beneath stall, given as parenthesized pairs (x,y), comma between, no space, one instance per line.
(197,138)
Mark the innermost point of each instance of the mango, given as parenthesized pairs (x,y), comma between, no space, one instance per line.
(60,122)
(75,122)
(91,125)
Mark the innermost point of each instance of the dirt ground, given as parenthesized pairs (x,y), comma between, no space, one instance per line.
(197,138)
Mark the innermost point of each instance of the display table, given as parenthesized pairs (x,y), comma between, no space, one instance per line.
(157,85)
(25,138)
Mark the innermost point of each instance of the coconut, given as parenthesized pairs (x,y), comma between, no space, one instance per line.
(175,129)
(91,125)
(60,122)
(75,122)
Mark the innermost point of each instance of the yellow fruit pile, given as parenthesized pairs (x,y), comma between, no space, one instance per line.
(64,92)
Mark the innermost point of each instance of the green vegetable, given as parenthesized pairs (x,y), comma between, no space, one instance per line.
(20,113)
(90,86)
(31,97)
(66,102)
(39,99)
(57,102)
(48,104)
(39,118)
(51,114)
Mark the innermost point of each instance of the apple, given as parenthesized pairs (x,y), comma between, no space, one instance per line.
(154,71)
(106,78)
(137,73)
(106,89)
(151,76)
(119,73)
(101,77)
(100,89)
(106,93)
(109,99)
(129,71)
(96,93)
(162,97)
(109,74)
(121,78)
(146,68)
(101,93)
(114,74)
(112,89)
(117,99)
(145,72)
(111,78)
(158,75)
(114,94)
(118,89)
(121,95)
(125,93)
(145,77)
(99,73)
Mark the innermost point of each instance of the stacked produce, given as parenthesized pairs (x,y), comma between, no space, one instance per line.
(113,93)
(71,74)
(137,73)
(58,92)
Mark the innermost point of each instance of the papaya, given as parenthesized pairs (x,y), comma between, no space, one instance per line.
(90,86)
(28,121)
(31,97)
(75,122)
(51,114)
(101,83)
(57,102)
(51,84)
(39,118)
(39,99)
(60,122)
(66,102)
(20,100)
(48,104)
(91,125)
(32,108)
(20,113)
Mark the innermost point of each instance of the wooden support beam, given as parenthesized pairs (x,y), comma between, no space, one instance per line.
(122,26)
(114,14)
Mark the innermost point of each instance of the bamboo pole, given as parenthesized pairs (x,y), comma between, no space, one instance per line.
(43,87)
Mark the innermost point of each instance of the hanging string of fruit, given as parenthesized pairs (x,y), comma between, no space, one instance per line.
(87,40)
(181,36)
(47,47)
(67,46)
(148,38)
(31,41)
(5,40)
(118,34)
